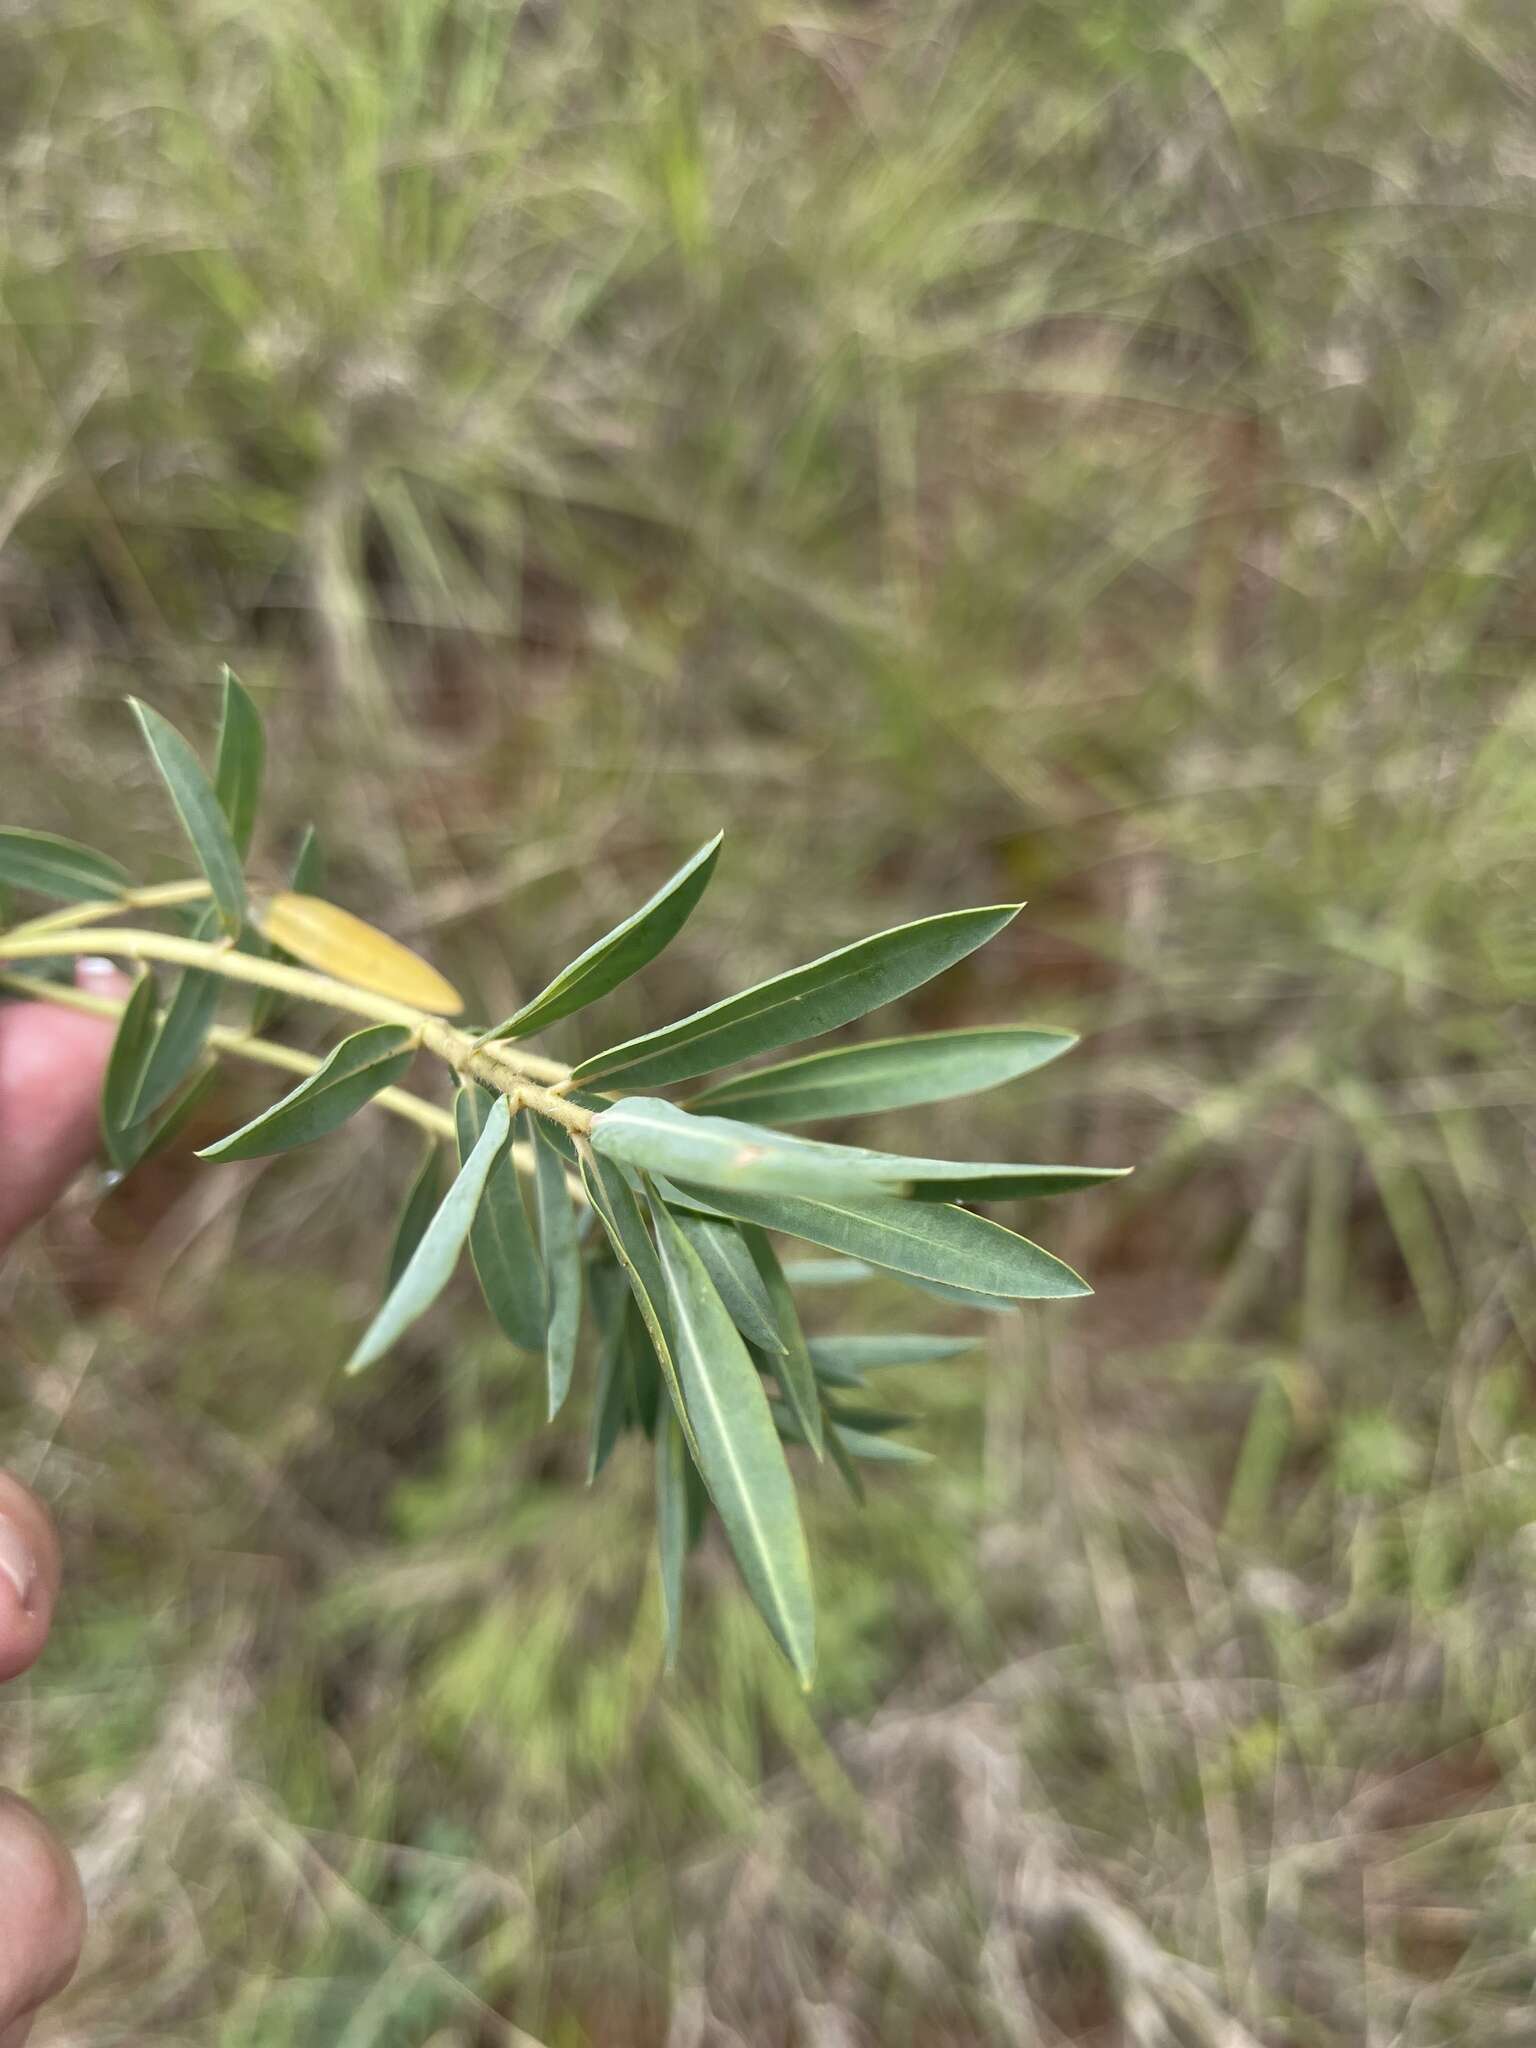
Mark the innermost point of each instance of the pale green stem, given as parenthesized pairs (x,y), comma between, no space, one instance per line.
(158,896)
(262,1051)
(517,1074)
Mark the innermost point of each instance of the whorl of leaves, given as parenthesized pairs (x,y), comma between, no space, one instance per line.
(580,1192)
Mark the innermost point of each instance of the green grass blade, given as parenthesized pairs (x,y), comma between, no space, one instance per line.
(889,1073)
(801,1004)
(622,952)
(432,1263)
(501,1241)
(740,1455)
(562,1267)
(50,866)
(356,1070)
(932,1241)
(240,762)
(198,808)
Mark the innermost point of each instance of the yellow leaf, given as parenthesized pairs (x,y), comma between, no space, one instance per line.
(333,941)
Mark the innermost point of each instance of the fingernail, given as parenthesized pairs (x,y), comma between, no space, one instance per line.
(94,968)
(17,1561)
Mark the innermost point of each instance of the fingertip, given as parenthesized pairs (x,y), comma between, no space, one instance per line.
(29,1577)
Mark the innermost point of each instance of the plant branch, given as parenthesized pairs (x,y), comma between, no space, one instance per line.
(157,896)
(262,1052)
(519,1075)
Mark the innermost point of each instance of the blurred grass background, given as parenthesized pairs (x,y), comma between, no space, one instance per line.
(996,447)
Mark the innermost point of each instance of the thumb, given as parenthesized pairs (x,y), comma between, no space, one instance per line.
(52,1062)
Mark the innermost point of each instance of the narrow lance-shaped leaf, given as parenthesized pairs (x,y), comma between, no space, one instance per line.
(240,761)
(419,1208)
(962,1297)
(811,999)
(619,1213)
(614,958)
(183,1030)
(357,1069)
(930,1240)
(125,1134)
(827,1272)
(50,866)
(431,1264)
(180,1111)
(653,1136)
(849,1358)
(616,1315)
(887,1073)
(332,941)
(562,1266)
(671,1529)
(793,1370)
(198,808)
(882,1450)
(846,1441)
(842,1459)
(501,1244)
(739,1284)
(658,1137)
(740,1455)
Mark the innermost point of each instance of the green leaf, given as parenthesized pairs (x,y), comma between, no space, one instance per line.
(793,1371)
(182,1109)
(432,1263)
(671,1529)
(845,1360)
(50,866)
(198,809)
(718,1152)
(501,1244)
(616,1208)
(802,1004)
(420,1207)
(356,1070)
(962,1297)
(844,1441)
(627,948)
(844,1463)
(617,1316)
(881,1450)
(241,758)
(309,865)
(888,1073)
(737,1281)
(930,1240)
(653,1136)
(739,1452)
(562,1266)
(125,1134)
(181,1032)
(826,1272)
(955,1180)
